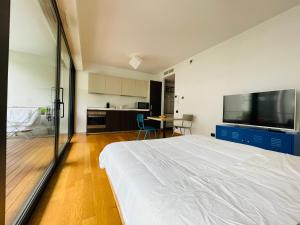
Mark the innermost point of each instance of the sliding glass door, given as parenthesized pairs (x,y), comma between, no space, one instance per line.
(64,95)
(36,111)
(30,106)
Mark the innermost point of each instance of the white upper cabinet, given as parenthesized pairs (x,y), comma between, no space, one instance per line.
(141,88)
(128,87)
(117,86)
(113,85)
(96,83)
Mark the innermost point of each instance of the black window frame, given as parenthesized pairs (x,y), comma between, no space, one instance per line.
(4,46)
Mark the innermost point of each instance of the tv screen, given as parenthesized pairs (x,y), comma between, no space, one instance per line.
(268,109)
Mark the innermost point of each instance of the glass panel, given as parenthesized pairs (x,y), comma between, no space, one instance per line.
(64,95)
(30,112)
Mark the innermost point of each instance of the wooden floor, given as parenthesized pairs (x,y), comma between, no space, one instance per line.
(27,160)
(80,193)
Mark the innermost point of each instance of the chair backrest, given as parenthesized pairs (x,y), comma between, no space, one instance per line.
(140,121)
(187,120)
(188,117)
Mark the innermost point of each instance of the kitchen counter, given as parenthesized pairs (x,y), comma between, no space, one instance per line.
(114,109)
(101,119)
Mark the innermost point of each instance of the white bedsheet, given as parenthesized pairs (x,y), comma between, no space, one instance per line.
(196,180)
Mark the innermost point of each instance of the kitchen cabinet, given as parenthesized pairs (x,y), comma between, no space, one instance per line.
(96,83)
(101,84)
(122,120)
(141,88)
(113,85)
(118,120)
(113,121)
(128,87)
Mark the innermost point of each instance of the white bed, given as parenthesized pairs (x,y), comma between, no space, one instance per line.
(196,180)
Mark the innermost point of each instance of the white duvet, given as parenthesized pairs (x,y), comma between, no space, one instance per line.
(195,180)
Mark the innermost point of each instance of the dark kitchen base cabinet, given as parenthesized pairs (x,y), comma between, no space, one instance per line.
(119,120)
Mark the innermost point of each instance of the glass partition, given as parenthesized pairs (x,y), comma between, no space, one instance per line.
(30,108)
(40,103)
(64,95)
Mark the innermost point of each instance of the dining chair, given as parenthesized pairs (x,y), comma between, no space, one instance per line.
(142,127)
(186,123)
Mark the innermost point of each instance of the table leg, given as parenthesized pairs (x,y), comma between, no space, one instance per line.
(164,129)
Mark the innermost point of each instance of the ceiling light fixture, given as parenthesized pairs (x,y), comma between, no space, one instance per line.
(135,61)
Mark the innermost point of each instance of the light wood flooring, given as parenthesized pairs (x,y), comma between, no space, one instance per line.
(79,193)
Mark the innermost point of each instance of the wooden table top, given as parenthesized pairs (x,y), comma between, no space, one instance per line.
(157,118)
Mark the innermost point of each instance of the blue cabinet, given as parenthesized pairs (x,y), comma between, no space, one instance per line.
(275,141)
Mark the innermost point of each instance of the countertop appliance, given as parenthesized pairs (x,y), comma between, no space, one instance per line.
(142,105)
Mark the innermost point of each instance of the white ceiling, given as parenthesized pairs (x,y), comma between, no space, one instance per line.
(163,32)
(69,17)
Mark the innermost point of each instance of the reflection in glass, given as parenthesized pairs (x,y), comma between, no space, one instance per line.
(64,95)
(30,112)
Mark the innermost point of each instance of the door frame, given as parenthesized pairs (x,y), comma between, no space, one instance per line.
(72,72)
(72,101)
(4,46)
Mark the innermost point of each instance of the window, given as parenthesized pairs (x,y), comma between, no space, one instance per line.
(39,102)
(30,101)
(64,95)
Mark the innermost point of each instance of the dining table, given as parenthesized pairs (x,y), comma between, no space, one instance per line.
(164,121)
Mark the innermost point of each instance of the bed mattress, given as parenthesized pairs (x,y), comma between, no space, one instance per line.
(196,180)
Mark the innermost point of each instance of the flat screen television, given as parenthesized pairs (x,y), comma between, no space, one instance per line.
(272,109)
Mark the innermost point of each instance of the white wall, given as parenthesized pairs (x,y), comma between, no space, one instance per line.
(30,78)
(85,100)
(266,57)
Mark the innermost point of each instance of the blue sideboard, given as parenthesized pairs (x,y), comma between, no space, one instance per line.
(285,142)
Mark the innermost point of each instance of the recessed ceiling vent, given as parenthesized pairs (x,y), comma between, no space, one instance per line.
(169,72)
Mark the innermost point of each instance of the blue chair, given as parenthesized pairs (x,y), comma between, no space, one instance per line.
(142,127)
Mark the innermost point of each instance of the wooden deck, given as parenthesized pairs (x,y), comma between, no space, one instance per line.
(27,160)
